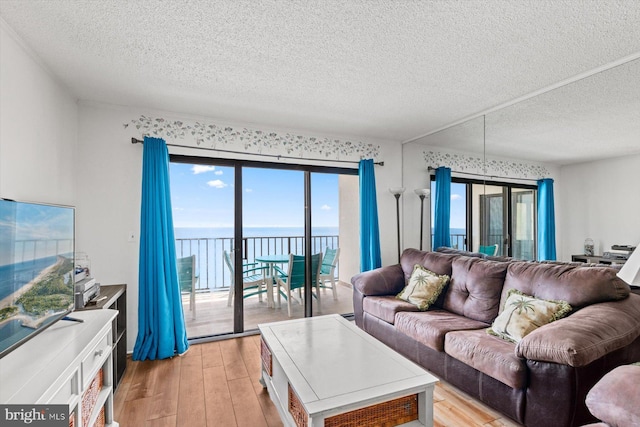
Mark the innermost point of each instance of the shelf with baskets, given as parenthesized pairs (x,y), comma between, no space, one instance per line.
(69,363)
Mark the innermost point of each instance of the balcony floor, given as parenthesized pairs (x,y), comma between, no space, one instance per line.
(214,317)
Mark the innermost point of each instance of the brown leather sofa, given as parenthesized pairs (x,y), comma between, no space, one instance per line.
(541,381)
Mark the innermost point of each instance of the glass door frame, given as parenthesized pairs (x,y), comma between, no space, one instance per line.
(507,203)
(238,165)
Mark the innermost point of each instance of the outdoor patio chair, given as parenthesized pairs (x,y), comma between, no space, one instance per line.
(294,278)
(489,250)
(328,270)
(253,279)
(187,278)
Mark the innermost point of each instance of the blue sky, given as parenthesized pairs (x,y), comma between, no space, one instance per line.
(27,221)
(202,196)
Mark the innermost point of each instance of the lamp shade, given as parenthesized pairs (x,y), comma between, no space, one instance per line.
(630,271)
(422,192)
(396,191)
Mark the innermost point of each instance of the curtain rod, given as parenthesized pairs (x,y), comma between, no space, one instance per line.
(431,168)
(278,156)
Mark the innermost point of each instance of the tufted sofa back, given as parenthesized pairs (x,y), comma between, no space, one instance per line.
(579,286)
(475,288)
(479,286)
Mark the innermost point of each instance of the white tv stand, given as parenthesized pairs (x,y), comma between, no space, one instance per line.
(59,365)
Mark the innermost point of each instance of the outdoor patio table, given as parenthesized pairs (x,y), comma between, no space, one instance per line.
(271,260)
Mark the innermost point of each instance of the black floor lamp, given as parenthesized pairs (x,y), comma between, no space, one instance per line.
(422,193)
(397,192)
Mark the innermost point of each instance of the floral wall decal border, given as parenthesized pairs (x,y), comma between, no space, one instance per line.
(255,141)
(494,167)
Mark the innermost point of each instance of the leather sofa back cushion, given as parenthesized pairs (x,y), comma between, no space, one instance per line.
(437,262)
(579,286)
(475,288)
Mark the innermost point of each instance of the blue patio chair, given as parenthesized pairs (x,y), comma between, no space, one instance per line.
(489,250)
(328,270)
(253,279)
(294,278)
(187,278)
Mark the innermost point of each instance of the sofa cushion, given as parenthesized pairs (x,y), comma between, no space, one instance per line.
(437,262)
(489,355)
(475,288)
(430,327)
(579,286)
(423,288)
(386,307)
(523,314)
(614,399)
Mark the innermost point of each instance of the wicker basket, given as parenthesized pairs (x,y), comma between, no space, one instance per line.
(100,422)
(385,414)
(265,355)
(296,409)
(90,397)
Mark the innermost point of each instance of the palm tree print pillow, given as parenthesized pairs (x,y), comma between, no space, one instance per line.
(423,288)
(523,314)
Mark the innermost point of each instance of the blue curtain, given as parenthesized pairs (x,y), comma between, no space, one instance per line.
(161,329)
(442,220)
(546,221)
(369,231)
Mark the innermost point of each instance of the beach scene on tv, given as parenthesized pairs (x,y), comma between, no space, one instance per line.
(36,268)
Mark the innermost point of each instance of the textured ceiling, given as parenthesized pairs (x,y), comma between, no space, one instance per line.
(385,69)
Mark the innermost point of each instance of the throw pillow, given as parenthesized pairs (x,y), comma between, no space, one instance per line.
(523,314)
(423,288)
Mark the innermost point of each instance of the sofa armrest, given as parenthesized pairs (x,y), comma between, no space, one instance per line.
(388,280)
(586,335)
(614,399)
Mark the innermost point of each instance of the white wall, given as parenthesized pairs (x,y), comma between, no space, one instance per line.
(38,128)
(600,200)
(349,229)
(109,188)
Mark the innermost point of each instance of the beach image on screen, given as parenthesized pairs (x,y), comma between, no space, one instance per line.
(36,268)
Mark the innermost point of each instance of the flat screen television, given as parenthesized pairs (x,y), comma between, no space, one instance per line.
(36,269)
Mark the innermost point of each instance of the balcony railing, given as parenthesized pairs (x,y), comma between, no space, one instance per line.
(211,269)
(458,241)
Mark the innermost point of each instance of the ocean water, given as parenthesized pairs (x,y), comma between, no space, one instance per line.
(227,232)
(15,276)
(209,244)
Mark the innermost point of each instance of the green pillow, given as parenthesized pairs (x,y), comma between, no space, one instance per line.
(423,288)
(523,314)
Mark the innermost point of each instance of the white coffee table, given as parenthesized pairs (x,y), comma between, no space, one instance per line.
(325,371)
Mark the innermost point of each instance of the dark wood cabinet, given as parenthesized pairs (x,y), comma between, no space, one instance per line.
(116,299)
(597,259)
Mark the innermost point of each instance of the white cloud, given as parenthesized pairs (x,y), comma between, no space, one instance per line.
(456,197)
(196,169)
(325,207)
(216,183)
(218,172)
(248,190)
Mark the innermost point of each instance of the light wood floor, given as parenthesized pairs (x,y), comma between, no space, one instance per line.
(216,384)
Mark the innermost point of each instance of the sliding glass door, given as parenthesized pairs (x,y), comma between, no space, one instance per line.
(499,217)
(504,216)
(241,221)
(273,217)
(492,217)
(523,214)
